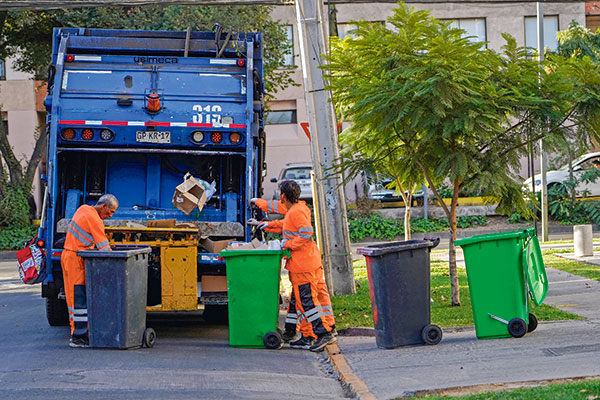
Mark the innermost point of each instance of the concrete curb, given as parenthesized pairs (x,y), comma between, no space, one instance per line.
(8,256)
(350,381)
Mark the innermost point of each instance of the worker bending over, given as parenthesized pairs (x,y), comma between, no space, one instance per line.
(85,231)
(306,272)
(291,320)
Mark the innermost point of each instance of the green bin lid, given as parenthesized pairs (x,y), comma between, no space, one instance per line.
(536,272)
(492,236)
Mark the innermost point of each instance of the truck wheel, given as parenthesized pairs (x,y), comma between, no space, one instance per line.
(431,334)
(533,323)
(56,311)
(273,340)
(517,327)
(149,337)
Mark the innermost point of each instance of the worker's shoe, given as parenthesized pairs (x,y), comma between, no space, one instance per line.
(322,341)
(302,343)
(289,336)
(79,341)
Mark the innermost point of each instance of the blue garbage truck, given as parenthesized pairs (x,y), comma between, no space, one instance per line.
(134,113)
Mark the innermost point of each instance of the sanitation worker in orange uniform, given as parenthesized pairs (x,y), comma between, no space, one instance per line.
(306,270)
(85,231)
(291,320)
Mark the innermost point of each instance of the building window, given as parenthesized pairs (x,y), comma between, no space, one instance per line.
(474,28)
(2,70)
(281,117)
(550,30)
(288,58)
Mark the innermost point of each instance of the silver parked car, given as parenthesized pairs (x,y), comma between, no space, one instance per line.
(299,172)
(557,177)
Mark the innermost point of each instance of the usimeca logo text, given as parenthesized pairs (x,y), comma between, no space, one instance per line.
(156,60)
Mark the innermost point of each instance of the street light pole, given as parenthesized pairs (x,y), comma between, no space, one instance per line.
(543,164)
(329,197)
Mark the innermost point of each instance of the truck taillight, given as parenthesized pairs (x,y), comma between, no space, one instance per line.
(106,134)
(241,62)
(68,134)
(153,102)
(235,137)
(216,137)
(87,134)
(69,58)
(40,243)
(197,136)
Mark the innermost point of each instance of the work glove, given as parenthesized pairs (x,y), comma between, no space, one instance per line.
(274,244)
(253,222)
(253,200)
(263,225)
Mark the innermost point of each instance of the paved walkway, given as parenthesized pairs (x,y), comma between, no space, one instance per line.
(555,350)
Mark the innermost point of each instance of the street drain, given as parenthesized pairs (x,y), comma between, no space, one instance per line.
(580,348)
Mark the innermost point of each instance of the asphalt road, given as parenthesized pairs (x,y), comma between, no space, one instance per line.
(191,360)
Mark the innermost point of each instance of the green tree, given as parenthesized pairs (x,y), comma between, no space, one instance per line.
(423,93)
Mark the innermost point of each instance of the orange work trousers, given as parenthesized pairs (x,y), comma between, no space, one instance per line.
(74,277)
(312,317)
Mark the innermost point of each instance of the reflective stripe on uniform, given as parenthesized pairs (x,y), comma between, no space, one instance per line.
(316,316)
(79,311)
(306,233)
(102,245)
(291,318)
(327,310)
(289,233)
(79,237)
(80,319)
(82,231)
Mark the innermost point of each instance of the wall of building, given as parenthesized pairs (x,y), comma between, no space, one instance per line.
(18,100)
(499,18)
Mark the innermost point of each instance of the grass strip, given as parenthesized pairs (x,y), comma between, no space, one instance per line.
(573,267)
(355,310)
(583,390)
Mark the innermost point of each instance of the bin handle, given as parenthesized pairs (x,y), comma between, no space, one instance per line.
(435,241)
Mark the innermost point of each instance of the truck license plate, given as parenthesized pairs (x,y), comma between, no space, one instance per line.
(153,136)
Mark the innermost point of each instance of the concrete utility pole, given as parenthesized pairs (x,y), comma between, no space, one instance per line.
(543,165)
(330,199)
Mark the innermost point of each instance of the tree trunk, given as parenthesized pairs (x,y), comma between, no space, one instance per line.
(452,250)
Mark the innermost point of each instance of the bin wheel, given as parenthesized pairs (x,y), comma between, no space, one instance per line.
(273,340)
(517,327)
(533,323)
(149,337)
(431,334)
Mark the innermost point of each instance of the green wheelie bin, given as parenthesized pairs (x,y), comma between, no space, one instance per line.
(253,292)
(502,269)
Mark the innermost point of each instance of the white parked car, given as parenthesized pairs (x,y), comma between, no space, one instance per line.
(580,165)
(299,172)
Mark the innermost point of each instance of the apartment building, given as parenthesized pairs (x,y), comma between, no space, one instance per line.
(23,112)
(484,20)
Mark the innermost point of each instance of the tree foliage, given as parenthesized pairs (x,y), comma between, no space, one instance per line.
(422,93)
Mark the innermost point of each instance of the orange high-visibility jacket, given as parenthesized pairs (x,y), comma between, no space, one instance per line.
(297,232)
(271,206)
(86,230)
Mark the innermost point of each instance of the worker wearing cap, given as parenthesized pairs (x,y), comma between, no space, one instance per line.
(277,207)
(305,268)
(85,231)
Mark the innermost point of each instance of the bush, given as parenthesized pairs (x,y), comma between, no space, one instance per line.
(377,227)
(16,238)
(14,208)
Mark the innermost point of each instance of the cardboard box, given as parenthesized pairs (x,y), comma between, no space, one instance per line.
(212,283)
(189,194)
(162,223)
(214,246)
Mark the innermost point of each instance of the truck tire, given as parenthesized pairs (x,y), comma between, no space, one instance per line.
(56,311)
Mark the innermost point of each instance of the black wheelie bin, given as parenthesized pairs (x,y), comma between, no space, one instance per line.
(399,285)
(116,287)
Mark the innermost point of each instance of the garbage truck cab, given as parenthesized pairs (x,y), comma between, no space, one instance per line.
(134,113)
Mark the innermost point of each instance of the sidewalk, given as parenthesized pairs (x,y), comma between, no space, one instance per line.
(461,363)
